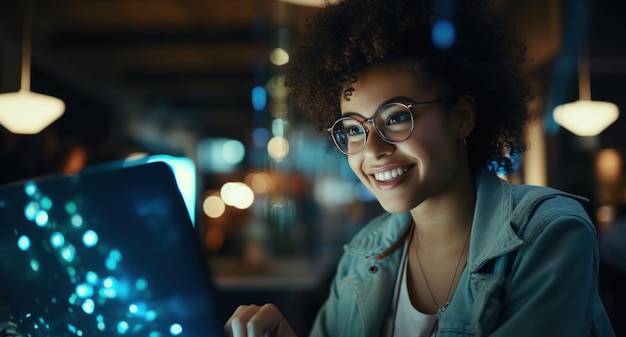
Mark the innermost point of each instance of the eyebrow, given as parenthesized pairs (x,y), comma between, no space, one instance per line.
(401,99)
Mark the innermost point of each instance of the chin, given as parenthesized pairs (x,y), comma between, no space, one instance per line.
(391,207)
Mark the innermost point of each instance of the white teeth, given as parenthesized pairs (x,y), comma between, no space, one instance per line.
(391,174)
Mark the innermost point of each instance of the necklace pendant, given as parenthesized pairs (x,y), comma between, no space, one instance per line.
(445,306)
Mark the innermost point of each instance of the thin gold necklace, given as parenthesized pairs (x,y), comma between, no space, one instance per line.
(444,307)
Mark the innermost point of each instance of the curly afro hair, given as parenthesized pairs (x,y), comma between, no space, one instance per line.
(345,38)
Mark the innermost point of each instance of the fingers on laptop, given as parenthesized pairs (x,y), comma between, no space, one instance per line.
(258,321)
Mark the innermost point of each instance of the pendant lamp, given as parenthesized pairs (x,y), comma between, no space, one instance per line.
(24,111)
(585,117)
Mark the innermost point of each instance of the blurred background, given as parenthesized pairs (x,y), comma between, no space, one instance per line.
(202,79)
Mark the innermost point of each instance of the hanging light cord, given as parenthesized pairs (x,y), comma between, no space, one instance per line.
(584,85)
(26,45)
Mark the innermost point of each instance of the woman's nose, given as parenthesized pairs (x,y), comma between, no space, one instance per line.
(375,145)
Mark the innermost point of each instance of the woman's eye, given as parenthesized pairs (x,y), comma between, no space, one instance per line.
(399,117)
(354,130)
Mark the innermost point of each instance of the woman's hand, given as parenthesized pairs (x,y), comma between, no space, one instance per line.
(258,321)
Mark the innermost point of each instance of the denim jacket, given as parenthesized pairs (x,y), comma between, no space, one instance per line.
(531,270)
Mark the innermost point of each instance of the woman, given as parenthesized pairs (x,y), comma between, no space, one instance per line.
(426,122)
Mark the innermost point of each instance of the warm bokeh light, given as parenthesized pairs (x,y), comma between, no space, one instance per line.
(609,166)
(136,155)
(26,112)
(275,87)
(278,147)
(259,182)
(605,215)
(213,206)
(279,57)
(586,118)
(237,194)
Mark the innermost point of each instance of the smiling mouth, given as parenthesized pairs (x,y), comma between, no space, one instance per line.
(391,174)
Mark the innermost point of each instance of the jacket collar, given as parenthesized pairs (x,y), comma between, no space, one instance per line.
(492,233)
(496,212)
(381,237)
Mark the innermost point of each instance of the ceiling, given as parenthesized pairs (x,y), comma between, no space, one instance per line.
(190,63)
(123,66)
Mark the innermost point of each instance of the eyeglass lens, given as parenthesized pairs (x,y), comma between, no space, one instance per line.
(393,122)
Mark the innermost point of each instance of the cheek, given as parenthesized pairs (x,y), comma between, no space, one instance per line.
(355,164)
(435,139)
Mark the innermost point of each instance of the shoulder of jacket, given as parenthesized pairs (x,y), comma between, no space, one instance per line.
(532,202)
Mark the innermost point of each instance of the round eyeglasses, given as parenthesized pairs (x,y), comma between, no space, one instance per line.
(393,123)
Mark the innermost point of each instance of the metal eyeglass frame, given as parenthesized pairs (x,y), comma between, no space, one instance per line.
(408,105)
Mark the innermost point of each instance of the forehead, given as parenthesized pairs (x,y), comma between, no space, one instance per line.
(378,85)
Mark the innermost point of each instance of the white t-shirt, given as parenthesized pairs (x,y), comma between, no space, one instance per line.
(410,322)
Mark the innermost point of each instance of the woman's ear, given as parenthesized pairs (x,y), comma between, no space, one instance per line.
(465,115)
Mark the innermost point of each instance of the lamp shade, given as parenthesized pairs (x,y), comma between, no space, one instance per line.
(586,117)
(26,112)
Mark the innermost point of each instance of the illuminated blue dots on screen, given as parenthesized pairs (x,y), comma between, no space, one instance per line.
(109,289)
(84,290)
(109,282)
(90,238)
(45,203)
(30,188)
(122,327)
(41,218)
(101,326)
(111,264)
(34,265)
(70,207)
(71,328)
(89,306)
(57,240)
(76,220)
(443,34)
(92,288)
(72,299)
(141,284)
(23,243)
(107,292)
(91,277)
(68,253)
(151,315)
(176,329)
(113,259)
(30,211)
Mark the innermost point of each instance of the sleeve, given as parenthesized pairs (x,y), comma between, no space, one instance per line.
(326,318)
(552,286)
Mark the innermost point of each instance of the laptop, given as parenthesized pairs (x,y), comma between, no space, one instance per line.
(105,252)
